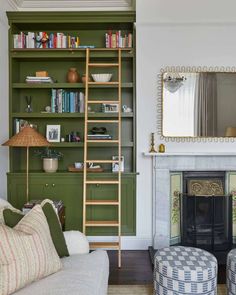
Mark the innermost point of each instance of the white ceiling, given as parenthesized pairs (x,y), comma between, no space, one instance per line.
(72,5)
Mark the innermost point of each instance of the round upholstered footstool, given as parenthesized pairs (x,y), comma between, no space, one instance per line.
(184,270)
(231,272)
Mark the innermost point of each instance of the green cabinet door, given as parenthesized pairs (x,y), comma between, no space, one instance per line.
(69,188)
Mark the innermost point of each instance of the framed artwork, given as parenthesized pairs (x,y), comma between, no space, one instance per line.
(115,166)
(110,107)
(53,133)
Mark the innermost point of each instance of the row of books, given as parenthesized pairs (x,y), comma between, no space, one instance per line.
(63,101)
(116,40)
(45,40)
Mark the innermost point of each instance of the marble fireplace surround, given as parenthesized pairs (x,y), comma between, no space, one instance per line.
(165,163)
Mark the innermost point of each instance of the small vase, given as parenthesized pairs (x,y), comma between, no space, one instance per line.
(50,164)
(72,76)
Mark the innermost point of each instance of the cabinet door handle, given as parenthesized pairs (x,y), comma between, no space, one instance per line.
(46,184)
(53,184)
(97,184)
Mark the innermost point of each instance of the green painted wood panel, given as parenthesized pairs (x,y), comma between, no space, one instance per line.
(68,188)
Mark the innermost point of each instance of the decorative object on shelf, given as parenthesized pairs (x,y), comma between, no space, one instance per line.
(173,81)
(99,130)
(79,165)
(48,109)
(162,148)
(115,165)
(152,149)
(27,137)
(101,77)
(28,99)
(110,107)
(41,74)
(126,109)
(53,133)
(83,79)
(74,136)
(50,159)
(72,75)
(92,166)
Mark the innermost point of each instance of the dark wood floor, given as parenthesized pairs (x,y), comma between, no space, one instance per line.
(137,269)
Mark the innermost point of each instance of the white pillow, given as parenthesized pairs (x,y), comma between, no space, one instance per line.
(4,203)
(76,242)
(27,252)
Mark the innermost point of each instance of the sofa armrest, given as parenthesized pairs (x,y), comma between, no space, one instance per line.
(76,242)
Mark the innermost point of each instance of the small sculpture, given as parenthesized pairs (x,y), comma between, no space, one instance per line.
(28,109)
(152,149)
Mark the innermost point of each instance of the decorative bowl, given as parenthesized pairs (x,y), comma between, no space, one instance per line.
(101,77)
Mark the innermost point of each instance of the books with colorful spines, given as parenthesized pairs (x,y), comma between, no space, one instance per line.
(53,100)
(51,40)
(33,79)
(81,102)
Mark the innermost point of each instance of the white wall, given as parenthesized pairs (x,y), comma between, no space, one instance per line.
(3,96)
(175,33)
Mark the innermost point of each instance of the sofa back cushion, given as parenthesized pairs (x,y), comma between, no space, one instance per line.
(27,252)
(12,218)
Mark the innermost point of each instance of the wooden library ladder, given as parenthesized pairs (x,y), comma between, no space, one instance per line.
(87,200)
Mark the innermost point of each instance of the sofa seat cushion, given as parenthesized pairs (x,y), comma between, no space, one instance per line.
(27,252)
(85,274)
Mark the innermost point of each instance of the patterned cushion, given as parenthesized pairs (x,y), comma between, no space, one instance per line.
(184,270)
(231,272)
(27,252)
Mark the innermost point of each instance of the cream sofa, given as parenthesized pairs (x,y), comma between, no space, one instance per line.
(82,273)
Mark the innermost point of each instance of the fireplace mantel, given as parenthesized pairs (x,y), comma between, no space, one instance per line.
(165,163)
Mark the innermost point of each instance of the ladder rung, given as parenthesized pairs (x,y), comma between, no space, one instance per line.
(102,223)
(103,121)
(103,65)
(103,140)
(102,161)
(102,182)
(103,83)
(95,245)
(102,202)
(103,101)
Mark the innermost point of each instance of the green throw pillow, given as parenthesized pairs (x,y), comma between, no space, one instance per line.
(11,219)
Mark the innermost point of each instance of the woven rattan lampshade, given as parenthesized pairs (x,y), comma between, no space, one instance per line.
(27,137)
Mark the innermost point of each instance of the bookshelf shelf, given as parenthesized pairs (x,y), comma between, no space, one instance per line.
(69,115)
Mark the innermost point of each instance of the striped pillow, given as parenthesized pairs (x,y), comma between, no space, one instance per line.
(27,252)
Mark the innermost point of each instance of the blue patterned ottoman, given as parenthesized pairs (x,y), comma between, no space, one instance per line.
(184,270)
(231,272)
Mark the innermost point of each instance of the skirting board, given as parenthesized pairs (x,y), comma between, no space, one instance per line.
(127,243)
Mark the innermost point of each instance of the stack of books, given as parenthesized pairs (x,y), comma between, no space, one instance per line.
(99,136)
(29,205)
(32,79)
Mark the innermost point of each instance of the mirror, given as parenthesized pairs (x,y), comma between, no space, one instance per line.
(198,104)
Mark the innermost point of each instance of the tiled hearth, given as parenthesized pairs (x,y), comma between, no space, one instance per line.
(166,165)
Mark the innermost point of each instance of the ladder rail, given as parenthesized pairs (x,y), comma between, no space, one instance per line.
(87,181)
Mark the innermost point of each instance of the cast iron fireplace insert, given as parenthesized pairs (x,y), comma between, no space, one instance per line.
(206,212)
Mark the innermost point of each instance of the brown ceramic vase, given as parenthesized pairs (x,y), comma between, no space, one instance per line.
(72,76)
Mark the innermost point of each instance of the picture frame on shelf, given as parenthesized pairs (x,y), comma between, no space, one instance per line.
(115,166)
(53,133)
(110,107)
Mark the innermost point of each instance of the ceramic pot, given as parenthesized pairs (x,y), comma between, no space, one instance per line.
(72,76)
(50,164)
